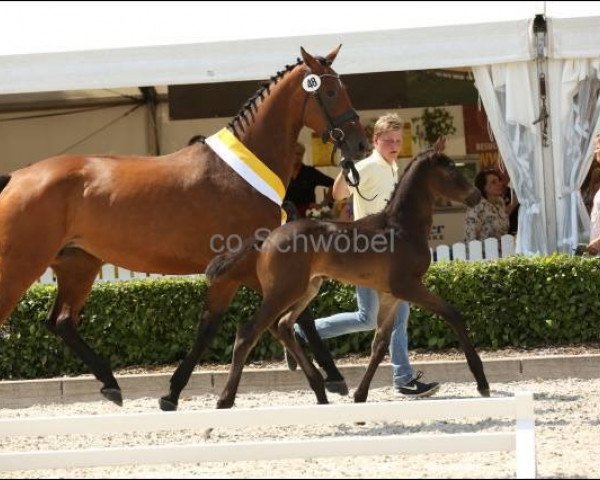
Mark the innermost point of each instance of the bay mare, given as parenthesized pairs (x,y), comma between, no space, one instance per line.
(158,214)
(290,271)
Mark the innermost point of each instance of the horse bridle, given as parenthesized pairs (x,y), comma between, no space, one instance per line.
(334,131)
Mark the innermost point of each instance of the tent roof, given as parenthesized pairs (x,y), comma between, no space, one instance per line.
(44,27)
(388,50)
(574,37)
(93,45)
(72,53)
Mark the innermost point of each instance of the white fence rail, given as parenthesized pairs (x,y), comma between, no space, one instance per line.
(489,249)
(521,439)
(111,273)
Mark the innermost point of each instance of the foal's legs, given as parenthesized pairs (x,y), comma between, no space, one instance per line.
(334,382)
(274,305)
(286,337)
(380,345)
(285,331)
(218,298)
(75,272)
(421,296)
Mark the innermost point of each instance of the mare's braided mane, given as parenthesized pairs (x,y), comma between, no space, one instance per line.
(251,106)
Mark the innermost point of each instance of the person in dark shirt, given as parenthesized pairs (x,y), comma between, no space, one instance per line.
(301,191)
(511,202)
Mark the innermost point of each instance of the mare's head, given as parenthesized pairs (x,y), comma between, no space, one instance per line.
(327,108)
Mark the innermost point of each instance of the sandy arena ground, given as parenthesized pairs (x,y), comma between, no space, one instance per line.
(567,438)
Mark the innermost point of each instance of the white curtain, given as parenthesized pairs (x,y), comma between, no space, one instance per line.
(509,95)
(575,106)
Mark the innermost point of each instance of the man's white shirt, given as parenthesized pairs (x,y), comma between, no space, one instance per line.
(377,179)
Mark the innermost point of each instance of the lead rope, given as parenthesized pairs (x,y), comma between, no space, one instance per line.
(349,167)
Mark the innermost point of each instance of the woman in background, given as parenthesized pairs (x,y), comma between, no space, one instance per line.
(490,217)
(594,245)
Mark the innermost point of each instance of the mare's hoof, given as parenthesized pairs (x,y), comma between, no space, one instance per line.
(338,386)
(167,405)
(113,394)
(224,404)
(484,392)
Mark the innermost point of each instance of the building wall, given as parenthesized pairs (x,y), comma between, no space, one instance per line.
(29,140)
(26,141)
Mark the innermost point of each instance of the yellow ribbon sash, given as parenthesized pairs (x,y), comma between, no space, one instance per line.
(248,166)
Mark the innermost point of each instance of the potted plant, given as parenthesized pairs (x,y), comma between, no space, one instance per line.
(432,124)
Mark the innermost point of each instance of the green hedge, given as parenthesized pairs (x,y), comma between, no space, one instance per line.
(518,302)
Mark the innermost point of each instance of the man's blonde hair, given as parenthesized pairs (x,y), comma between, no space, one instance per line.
(386,123)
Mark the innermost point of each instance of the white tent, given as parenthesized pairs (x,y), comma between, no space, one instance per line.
(94,45)
(50,55)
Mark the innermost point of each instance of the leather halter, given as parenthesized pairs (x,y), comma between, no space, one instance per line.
(334,124)
(334,130)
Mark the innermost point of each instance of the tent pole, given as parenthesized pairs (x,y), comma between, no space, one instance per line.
(540,39)
(151,100)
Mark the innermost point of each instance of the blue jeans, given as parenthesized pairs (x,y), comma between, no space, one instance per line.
(366,319)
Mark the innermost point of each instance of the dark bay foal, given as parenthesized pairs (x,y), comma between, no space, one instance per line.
(387,251)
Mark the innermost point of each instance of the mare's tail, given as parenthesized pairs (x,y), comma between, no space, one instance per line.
(4,179)
(222,264)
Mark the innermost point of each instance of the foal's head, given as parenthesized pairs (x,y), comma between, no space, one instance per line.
(433,174)
(445,180)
